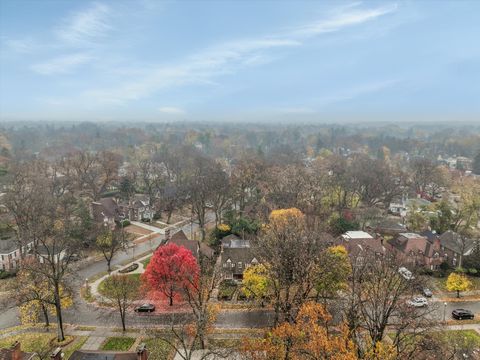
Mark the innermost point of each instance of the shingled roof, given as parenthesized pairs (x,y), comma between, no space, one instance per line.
(455,242)
(181,239)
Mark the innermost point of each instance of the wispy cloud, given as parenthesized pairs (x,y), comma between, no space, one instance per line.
(87,26)
(356,91)
(171,110)
(349,16)
(231,56)
(62,65)
(20,45)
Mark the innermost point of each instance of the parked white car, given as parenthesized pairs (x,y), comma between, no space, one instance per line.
(407,274)
(418,302)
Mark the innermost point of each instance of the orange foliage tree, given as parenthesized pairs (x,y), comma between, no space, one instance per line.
(308,338)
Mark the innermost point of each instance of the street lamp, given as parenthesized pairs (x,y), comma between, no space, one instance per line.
(444,310)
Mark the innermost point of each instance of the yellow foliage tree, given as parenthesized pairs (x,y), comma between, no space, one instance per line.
(381,351)
(332,271)
(256,282)
(307,338)
(458,282)
(35,297)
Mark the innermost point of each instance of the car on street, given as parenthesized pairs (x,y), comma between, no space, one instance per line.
(418,302)
(145,308)
(407,274)
(462,314)
(427,292)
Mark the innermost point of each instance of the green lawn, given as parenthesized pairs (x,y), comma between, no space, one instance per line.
(469,336)
(101,286)
(37,342)
(118,343)
(440,283)
(30,342)
(455,338)
(226,289)
(146,262)
(158,349)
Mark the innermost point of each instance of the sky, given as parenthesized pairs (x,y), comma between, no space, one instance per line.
(238,60)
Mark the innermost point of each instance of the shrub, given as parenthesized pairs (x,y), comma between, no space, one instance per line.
(125,222)
(109,193)
(426,271)
(129,268)
(226,289)
(473,272)
(6,274)
(444,266)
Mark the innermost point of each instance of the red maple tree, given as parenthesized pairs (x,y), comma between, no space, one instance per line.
(170,270)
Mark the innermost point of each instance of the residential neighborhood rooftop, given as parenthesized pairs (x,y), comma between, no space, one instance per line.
(357,235)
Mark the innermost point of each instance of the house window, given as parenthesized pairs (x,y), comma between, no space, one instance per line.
(239,264)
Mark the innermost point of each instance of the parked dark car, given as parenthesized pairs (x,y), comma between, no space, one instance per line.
(427,292)
(145,308)
(461,314)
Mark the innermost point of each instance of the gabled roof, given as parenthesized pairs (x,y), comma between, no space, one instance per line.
(106,207)
(236,255)
(8,245)
(409,243)
(455,242)
(181,239)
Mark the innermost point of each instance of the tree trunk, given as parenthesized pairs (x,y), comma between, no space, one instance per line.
(45,315)
(122,316)
(58,311)
(109,269)
(458,293)
(170,298)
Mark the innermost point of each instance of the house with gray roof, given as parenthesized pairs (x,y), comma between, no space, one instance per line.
(455,246)
(235,257)
(10,253)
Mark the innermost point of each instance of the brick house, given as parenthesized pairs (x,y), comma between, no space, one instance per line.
(418,250)
(235,257)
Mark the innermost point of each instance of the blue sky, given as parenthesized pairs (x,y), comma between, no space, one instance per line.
(234,60)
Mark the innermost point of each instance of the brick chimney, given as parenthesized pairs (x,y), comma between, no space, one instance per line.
(56,354)
(142,353)
(16,352)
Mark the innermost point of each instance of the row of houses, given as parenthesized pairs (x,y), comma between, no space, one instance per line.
(425,249)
